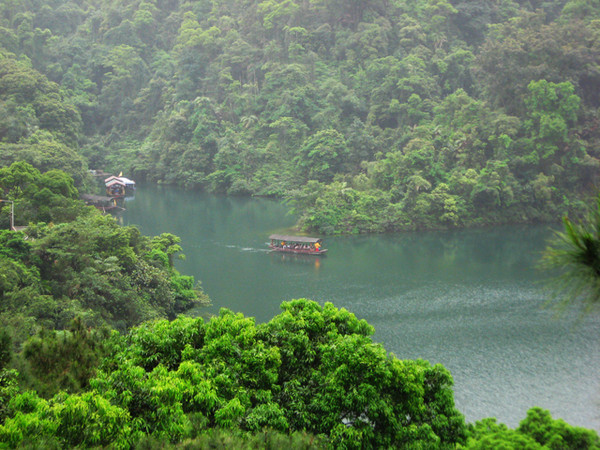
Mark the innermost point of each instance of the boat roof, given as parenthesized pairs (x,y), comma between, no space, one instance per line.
(121,179)
(113,182)
(283,237)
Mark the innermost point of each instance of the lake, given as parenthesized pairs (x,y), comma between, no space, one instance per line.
(471,300)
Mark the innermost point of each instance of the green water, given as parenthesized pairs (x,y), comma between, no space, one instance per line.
(470,300)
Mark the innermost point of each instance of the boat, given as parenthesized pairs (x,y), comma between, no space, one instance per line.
(115,188)
(297,244)
(101,203)
(119,186)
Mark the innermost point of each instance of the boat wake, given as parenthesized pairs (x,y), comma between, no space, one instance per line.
(246,249)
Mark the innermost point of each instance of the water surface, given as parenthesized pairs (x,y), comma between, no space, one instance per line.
(470,300)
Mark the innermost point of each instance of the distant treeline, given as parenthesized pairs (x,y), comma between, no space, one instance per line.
(367,116)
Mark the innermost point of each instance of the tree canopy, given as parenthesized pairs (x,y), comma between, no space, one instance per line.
(74,264)
(444,114)
(311,369)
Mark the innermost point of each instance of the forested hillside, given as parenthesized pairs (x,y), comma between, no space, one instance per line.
(367,115)
(73,276)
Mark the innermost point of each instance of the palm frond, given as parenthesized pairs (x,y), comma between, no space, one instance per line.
(574,255)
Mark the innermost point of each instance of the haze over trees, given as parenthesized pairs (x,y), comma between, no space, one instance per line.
(367,116)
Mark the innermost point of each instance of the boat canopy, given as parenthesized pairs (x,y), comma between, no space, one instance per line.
(122,180)
(304,239)
(113,182)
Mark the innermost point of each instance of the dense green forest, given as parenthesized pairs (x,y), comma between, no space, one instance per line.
(75,263)
(309,378)
(367,116)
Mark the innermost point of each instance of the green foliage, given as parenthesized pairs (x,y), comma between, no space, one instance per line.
(168,244)
(64,360)
(58,281)
(311,368)
(310,377)
(487,434)
(5,349)
(338,207)
(112,272)
(410,104)
(91,269)
(367,116)
(556,433)
(236,439)
(537,431)
(8,389)
(30,420)
(321,155)
(110,424)
(37,123)
(50,196)
(575,254)
(85,420)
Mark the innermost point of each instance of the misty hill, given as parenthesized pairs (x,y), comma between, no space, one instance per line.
(371,115)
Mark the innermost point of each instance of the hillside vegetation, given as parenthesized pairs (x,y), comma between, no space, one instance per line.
(76,271)
(364,115)
(367,116)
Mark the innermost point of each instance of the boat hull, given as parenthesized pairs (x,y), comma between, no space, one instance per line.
(299,251)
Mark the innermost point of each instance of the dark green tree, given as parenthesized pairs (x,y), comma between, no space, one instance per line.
(64,360)
(321,155)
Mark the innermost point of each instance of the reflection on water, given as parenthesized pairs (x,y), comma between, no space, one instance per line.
(293,258)
(470,300)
